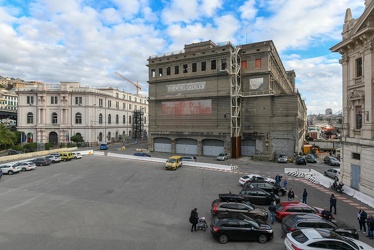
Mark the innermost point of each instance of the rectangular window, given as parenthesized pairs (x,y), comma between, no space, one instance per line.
(109,103)
(30,100)
(78,100)
(244,64)
(129,119)
(223,64)
(123,105)
(117,105)
(117,95)
(185,68)
(359,67)
(258,63)
(124,96)
(194,67)
(176,70)
(153,73)
(358,117)
(213,64)
(124,119)
(203,66)
(356,156)
(100,102)
(54,100)
(160,72)
(145,120)
(129,98)
(129,106)
(168,71)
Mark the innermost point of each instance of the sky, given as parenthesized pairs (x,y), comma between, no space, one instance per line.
(87,41)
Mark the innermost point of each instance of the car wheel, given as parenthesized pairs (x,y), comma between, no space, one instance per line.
(223,238)
(258,217)
(10,172)
(262,238)
(325,173)
(23,169)
(279,193)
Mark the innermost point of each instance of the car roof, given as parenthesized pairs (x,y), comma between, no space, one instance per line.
(298,217)
(292,203)
(314,233)
(255,190)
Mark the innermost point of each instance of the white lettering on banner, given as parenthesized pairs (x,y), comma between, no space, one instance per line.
(186,86)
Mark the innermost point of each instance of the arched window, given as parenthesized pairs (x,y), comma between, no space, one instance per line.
(117,119)
(54,118)
(78,118)
(109,119)
(124,119)
(129,119)
(30,118)
(100,119)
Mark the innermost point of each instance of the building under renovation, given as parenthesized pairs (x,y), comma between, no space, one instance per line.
(213,98)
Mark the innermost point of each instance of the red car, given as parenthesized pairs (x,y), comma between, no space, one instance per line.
(285,208)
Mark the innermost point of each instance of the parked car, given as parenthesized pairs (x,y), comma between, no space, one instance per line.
(268,187)
(234,207)
(142,154)
(42,161)
(332,161)
(285,208)
(259,197)
(103,146)
(255,177)
(300,160)
(230,198)
(310,158)
(1,173)
(14,152)
(9,169)
(54,158)
(299,221)
(189,158)
(77,155)
(333,173)
(310,238)
(282,159)
(235,229)
(25,166)
(222,157)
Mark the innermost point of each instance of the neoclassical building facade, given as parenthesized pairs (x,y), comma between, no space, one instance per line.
(52,113)
(357,51)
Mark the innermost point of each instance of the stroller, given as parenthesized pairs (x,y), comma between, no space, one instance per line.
(201,224)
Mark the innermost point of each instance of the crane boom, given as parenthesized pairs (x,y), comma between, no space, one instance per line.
(135,84)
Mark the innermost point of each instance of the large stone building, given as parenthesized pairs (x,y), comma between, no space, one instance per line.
(212,98)
(357,61)
(55,112)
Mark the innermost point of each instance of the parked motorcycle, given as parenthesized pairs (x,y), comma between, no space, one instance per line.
(338,187)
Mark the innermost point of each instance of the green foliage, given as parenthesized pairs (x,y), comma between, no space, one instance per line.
(48,146)
(17,138)
(7,137)
(30,147)
(77,138)
(18,147)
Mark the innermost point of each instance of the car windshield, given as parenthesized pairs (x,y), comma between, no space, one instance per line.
(221,155)
(299,236)
(170,160)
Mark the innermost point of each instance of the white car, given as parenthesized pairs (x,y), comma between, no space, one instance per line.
(25,166)
(9,169)
(54,158)
(251,177)
(222,157)
(77,155)
(318,238)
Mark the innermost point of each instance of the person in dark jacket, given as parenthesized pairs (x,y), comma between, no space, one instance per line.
(332,203)
(272,209)
(291,195)
(326,214)
(194,219)
(370,223)
(362,216)
(305,196)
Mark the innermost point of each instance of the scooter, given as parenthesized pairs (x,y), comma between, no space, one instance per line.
(338,187)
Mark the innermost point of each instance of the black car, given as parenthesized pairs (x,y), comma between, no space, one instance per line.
(230,198)
(332,161)
(237,229)
(268,187)
(142,154)
(14,152)
(299,221)
(259,196)
(42,161)
(300,160)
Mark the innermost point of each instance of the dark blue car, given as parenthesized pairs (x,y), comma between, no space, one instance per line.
(142,154)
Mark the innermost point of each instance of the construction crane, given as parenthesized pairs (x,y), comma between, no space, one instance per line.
(135,84)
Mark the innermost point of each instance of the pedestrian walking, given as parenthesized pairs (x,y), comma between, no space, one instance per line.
(194,218)
(285,183)
(362,216)
(305,196)
(272,209)
(291,195)
(370,223)
(332,203)
(278,179)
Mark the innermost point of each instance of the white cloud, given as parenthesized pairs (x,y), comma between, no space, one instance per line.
(248,10)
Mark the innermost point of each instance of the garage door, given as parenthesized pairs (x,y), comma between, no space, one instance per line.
(213,147)
(162,145)
(186,146)
(248,147)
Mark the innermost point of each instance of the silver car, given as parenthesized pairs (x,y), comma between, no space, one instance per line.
(25,166)
(333,173)
(9,169)
(222,157)
(54,158)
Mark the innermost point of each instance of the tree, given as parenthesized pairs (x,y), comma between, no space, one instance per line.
(77,138)
(7,137)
